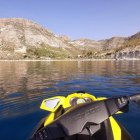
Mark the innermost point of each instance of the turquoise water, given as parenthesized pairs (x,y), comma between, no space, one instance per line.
(23,85)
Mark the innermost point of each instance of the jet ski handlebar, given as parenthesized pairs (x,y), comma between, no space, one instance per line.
(74,120)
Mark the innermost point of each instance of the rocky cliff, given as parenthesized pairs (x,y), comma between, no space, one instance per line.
(113,48)
(24,39)
(20,38)
(130,48)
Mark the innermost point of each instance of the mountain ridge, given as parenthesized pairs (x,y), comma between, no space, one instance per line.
(24,39)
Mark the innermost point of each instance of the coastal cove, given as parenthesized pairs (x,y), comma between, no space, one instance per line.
(69,70)
(24,39)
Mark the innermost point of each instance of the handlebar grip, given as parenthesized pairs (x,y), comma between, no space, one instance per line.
(135,97)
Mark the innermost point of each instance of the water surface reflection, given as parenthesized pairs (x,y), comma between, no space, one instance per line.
(24,84)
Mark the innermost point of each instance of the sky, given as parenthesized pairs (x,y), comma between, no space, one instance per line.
(93,19)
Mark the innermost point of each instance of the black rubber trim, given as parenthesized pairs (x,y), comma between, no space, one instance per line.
(108,130)
(105,133)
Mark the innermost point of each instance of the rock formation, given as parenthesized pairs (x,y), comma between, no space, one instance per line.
(24,39)
(20,38)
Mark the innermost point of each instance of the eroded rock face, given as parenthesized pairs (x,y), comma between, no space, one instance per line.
(81,43)
(21,38)
(21,33)
(18,35)
(132,53)
(113,48)
(113,43)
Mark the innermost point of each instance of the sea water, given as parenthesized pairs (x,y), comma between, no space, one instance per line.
(24,84)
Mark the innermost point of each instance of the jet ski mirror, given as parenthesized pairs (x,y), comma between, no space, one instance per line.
(52,104)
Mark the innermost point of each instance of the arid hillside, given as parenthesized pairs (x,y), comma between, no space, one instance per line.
(24,39)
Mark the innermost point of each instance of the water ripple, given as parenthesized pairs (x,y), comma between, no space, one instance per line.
(23,85)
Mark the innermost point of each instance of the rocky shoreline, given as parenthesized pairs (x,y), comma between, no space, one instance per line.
(32,60)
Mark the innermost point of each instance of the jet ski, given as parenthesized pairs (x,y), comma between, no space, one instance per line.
(83,116)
